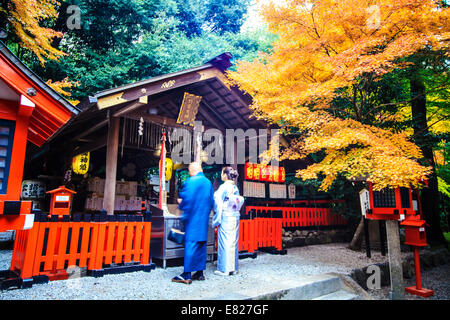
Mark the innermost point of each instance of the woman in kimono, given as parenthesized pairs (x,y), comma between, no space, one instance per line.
(227,203)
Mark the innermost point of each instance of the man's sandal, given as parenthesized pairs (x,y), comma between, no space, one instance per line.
(195,276)
(181,280)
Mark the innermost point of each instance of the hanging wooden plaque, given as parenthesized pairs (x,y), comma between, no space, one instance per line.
(189,109)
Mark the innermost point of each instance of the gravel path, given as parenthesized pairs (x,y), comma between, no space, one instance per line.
(261,272)
(437,279)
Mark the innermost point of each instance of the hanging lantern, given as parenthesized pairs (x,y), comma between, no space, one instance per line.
(249,171)
(168,168)
(32,189)
(269,171)
(276,174)
(256,171)
(264,172)
(282,175)
(80,163)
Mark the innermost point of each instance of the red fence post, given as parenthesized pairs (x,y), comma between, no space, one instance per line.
(253,235)
(61,253)
(128,240)
(279,234)
(100,245)
(137,241)
(146,234)
(23,252)
(119,248)
(107,244)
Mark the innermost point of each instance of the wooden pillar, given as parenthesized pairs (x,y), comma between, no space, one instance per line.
(381,231)
(18,150)
(395,261)
(235,159)
(367,237)
(112,149)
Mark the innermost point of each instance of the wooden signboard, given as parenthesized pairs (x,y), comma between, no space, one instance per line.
(189,109)
(291,191)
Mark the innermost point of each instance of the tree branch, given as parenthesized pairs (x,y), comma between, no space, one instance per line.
(408,101)
(429,126)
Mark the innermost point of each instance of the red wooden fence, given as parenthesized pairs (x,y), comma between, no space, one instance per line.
(269,232)
(304,216)
(247,236)
(260,233)
(50,247)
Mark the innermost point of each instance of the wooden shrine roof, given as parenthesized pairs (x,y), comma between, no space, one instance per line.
(222,106)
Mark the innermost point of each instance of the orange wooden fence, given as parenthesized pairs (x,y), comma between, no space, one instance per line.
(50,247)
(247,236)
(302,216)
(269,232)
(260,233)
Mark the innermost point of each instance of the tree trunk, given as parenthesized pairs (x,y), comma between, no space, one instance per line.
(429,196)
(355,244)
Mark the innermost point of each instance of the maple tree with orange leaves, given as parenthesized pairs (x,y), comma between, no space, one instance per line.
(63,88)
(25,18)
(328,49)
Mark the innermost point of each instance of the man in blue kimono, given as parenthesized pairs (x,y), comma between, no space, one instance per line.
(197,201)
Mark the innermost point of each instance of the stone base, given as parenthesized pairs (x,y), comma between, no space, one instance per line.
(428,260)
(299,238)
(420,292)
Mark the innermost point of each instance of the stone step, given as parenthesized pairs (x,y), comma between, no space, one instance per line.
(338,295)
(303,288)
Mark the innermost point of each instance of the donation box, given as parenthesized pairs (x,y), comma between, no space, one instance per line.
(415,232)
(60,201)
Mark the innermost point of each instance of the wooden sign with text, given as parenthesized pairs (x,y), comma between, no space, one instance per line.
(189,109)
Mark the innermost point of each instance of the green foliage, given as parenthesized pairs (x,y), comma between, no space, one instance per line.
(114,45)
(123,41)
(444,187)
(182,52)
(447,237)
(443,176)
(218,16)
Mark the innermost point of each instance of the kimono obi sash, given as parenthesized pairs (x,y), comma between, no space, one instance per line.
(232,204)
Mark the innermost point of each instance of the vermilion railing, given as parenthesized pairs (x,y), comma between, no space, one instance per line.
(300,216)
(260,233)
(50,247)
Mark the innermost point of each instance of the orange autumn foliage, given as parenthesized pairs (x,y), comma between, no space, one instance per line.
(62,88)
(325,45)
(25,17)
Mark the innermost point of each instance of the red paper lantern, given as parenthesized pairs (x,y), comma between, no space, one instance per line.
(282,175)
(269,174)
(256,172)
(249,168)
(264,172)
(276,174)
